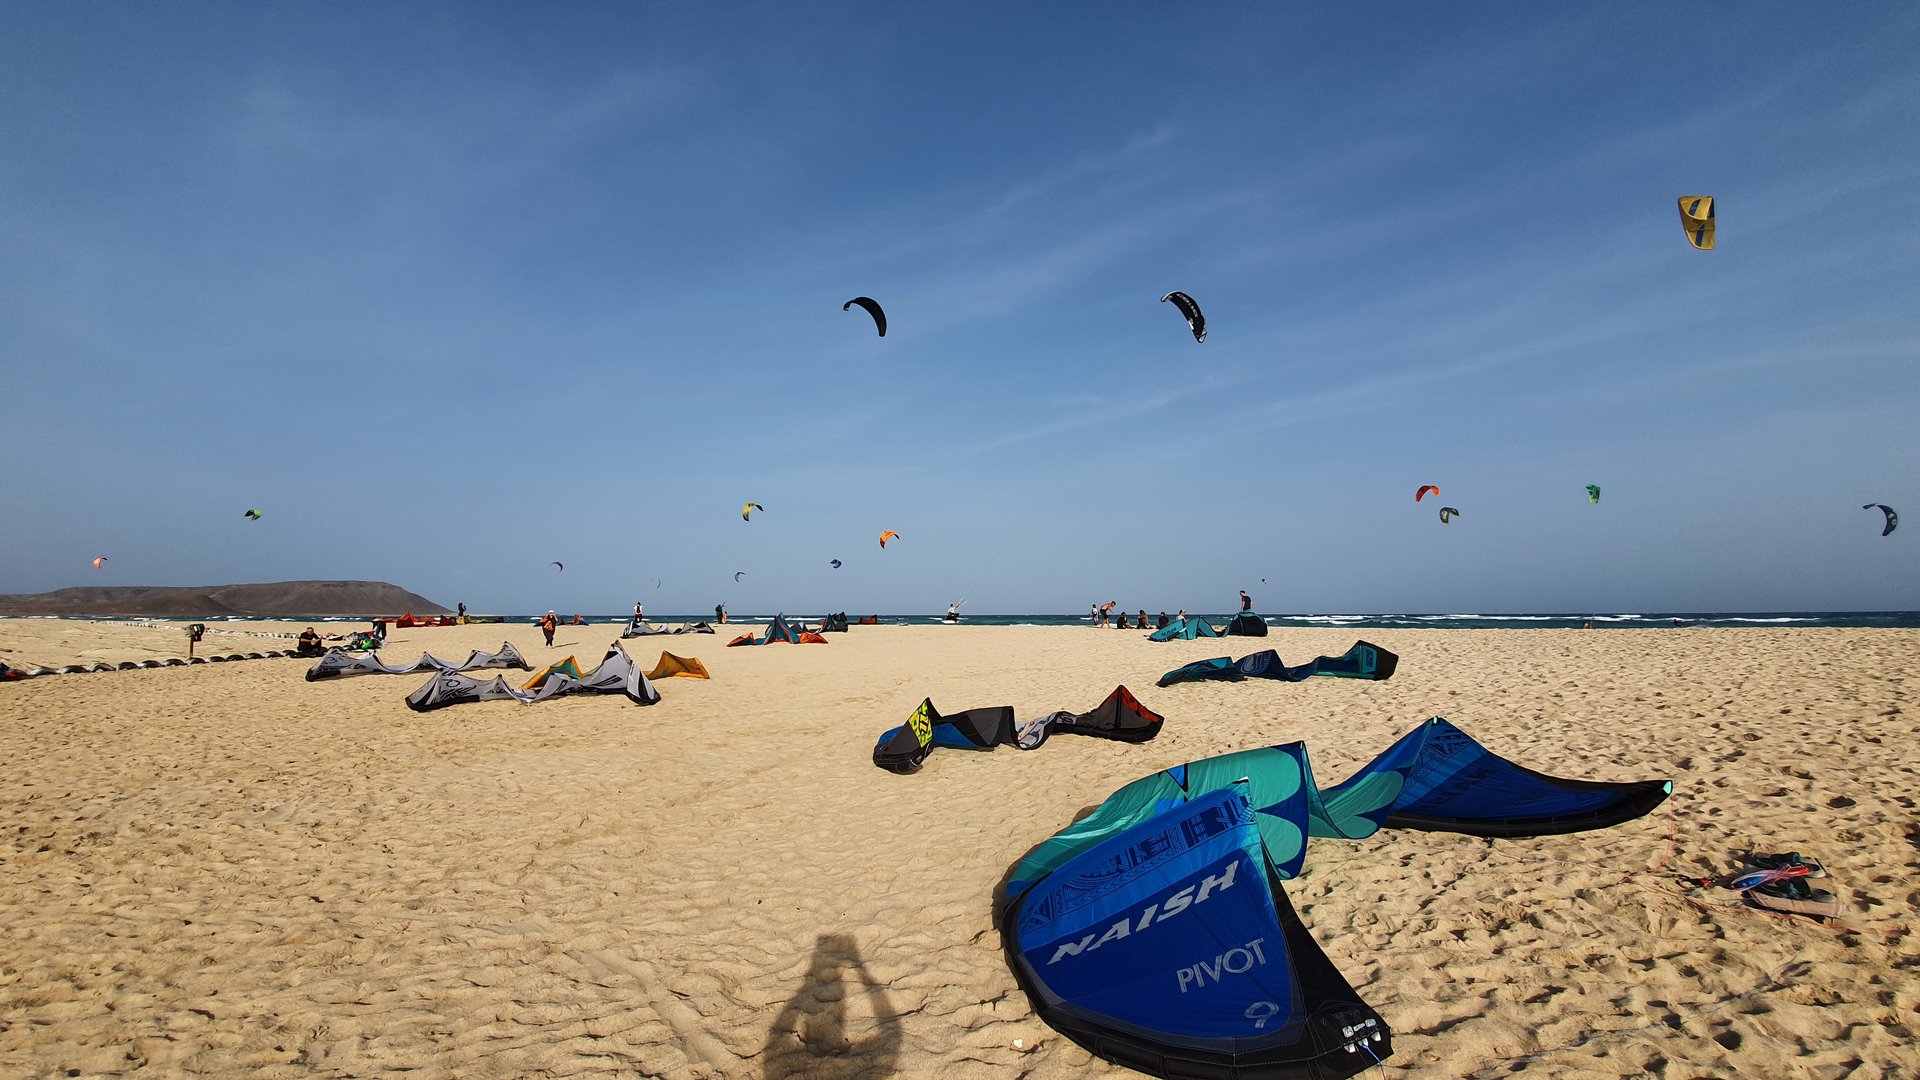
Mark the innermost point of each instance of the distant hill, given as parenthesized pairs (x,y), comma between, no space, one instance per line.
(278,599)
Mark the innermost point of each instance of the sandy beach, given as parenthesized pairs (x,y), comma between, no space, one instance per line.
(226,870)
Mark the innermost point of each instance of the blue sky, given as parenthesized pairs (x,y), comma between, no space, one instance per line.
(452,291)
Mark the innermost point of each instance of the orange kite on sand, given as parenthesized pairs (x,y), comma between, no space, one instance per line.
(686,667)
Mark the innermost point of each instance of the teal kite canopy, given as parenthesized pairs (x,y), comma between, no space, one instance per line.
(1435,778)
(1155,932)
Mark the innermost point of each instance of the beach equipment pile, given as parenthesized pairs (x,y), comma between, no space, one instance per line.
(338,663)
(1155,933)
(616,674)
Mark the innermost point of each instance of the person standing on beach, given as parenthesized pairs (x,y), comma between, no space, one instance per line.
(639,614)
(548,625)
(1093,614)
(463,611)
(720,613)
(1246,602)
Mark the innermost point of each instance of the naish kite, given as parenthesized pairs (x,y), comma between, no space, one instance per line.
(1447,514)
(1424,490)
(872,307)
(1155,932)
(1593,494)
(746,510)
(887,535)
(1696,217)
(1196,321)
(252,515)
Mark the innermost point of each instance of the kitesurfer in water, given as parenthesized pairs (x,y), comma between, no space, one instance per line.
(549,624)
(953,612)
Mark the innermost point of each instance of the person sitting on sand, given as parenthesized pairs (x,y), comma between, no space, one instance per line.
(1142,624)
(1161,624)
(1123,624)
(309,643)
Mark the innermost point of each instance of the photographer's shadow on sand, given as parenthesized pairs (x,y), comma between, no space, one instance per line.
(816,1037)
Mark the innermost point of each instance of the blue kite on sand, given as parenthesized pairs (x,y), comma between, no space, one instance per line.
(1155,933)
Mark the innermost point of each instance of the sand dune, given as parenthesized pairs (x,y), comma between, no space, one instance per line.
(227,870)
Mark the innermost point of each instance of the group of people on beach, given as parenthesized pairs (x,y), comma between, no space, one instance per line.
(1102,616)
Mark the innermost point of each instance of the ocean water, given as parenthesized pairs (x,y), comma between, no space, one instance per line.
(1444,621)
(1458,621)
